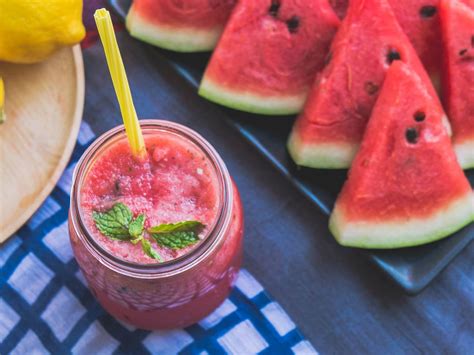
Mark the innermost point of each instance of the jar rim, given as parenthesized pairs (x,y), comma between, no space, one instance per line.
(170,267)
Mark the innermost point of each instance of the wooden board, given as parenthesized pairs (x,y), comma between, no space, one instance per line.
(44,104)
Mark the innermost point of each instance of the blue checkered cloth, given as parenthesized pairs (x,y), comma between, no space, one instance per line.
(46,307)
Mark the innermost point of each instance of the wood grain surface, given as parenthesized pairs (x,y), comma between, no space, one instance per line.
(44,104)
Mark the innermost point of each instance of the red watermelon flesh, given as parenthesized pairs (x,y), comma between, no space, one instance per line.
(457,21)
(269,54)
(330,128)
(182,25)
(405,186)
(420,21)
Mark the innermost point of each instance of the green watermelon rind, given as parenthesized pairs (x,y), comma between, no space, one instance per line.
(402,233)
(465,153)
(321,155)
(177,39)
(251,102)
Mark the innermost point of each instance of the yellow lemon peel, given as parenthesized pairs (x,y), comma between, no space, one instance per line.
(32,30)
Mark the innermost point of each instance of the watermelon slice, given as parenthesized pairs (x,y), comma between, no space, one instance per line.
(183,26)
(457,20)
(420,21)
(328,132)
(269,54)
(405,187)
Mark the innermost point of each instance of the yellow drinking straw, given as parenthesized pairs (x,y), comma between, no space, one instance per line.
(119,79)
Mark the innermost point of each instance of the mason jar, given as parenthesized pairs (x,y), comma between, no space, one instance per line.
(177,292)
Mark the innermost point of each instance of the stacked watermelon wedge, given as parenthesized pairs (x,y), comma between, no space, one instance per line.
(183,26)
(457,20)
(269,54)
(419,19)
(328,132)
(405,187)
(363,91)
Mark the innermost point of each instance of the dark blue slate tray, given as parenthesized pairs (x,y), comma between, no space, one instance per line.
(411,268)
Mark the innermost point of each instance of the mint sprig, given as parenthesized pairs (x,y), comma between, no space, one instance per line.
(118,224)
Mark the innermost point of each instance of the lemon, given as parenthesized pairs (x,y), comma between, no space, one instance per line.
(2,100)
(30,30)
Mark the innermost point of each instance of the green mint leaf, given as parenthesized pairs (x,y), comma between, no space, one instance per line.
(186,226)
(148,249)
(176,240)
(115,222)
(176,235)
(136,226)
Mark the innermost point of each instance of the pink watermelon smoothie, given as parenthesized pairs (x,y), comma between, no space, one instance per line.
(182,179)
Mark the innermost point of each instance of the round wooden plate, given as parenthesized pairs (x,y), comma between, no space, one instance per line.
(44,104)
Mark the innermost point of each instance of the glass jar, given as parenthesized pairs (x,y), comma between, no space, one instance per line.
(174,293)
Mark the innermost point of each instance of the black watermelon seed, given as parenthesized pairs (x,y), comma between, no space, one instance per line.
(428,11)
(328,58)
(371,88)
(293,24)
(274,7)
(393,55)
(117,186)
(419,116)
(463,51)
(472,41)
(411,135)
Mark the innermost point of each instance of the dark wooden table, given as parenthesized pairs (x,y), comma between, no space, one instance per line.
(341,302)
